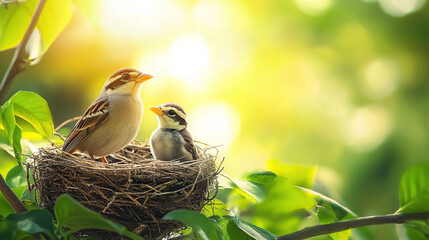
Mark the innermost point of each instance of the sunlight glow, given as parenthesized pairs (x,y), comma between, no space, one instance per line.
(135,18)
(152,62)
(205,11)
(188,59)
(314,7)
(367,128)
(215,124)
(381,78)
(399,8)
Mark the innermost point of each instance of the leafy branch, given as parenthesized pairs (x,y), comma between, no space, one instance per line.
(263,190)
(354,223)
(15,66)
(14,69)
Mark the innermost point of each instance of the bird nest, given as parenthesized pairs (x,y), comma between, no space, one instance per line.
(133,189)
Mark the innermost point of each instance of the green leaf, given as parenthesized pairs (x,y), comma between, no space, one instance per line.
(414,197)
(329,211)
(16,18)
(215,207)
(252,230)
(16,177)
(28,195)
(33,221)
(326,216)
(415,230)
(35,110)
(54,18)
(262,177)
(17,148)
(25,126)
(20,235)
(8,120)
(202,226)
(12,132)
(27,106)
(13,23)
(251,190)
(5,207)
(335,209)
(5,144)
(296,174)
(234,232)
(71,214)
(222,222)
(19,190)
(283,209)
(7,230)
(224,193)
(414,189)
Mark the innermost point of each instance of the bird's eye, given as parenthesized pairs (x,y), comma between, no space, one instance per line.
(125,76)
(171,113)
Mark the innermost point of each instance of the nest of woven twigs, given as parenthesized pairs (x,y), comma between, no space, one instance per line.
(133,189)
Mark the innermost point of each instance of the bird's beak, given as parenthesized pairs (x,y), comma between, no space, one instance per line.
(157,111)
(143,77)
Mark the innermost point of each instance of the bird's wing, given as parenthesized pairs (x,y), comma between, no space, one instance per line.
(93,117)
(189,144)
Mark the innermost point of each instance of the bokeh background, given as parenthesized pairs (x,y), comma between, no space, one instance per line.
(338,84)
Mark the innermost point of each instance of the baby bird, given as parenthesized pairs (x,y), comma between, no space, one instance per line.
(171,140)
(113,119)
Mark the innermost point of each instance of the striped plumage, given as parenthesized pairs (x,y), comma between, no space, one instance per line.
(171,140)
(113,119)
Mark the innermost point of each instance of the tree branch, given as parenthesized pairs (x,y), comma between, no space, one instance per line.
(15,65)
(16,204)
(10,196)
(354,223)
(13,70)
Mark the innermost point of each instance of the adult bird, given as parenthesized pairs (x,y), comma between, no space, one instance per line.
(171,140)
(113,119)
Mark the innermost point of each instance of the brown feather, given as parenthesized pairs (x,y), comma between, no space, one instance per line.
(174,105)
(93,117)
(121,71)
(115,84)
(189,143)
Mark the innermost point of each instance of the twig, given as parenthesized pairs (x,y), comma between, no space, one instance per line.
(66,122)
(60,136)
(62,125)
(10,196)
(15,65)
(354,223)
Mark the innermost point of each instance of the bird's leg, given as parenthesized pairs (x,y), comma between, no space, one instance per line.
(102,158)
